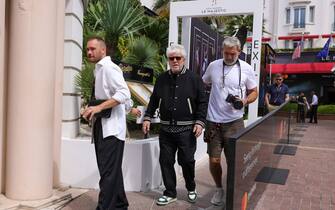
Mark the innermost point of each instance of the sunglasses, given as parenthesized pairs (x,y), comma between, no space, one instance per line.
(177,58)
(279,79)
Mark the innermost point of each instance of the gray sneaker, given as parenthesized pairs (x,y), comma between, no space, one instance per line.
(218,197)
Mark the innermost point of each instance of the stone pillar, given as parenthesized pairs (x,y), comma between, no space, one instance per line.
(31,98)
(58,92)
(2,90)
(72,66)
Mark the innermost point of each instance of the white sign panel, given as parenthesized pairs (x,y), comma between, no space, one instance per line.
(206,8)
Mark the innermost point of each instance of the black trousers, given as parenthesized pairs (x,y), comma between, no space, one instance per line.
(109,153)
(314,114)
(185,143)
(301,114)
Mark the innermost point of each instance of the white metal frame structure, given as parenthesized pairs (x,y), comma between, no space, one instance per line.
(206,8)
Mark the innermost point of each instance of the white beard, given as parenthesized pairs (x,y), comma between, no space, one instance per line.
(230,63)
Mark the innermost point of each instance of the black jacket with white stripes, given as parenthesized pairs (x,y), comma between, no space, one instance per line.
(181,99)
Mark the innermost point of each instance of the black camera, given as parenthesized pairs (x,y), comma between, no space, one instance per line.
(235,101)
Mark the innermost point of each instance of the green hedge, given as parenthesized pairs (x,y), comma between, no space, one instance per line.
(326,109)
(322,109)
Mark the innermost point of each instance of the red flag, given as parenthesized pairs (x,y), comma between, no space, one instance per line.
(297,51)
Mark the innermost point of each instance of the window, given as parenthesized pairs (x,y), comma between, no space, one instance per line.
(287,44)
(310,43)
(311,14)
(295,44)
(299,17)
(288,15)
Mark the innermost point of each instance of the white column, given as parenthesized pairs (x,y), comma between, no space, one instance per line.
(72,66)
(31,83)
(58,92)
(256,56)
(186,38)
(2,90)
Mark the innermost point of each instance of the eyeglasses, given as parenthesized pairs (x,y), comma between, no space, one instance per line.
(178,58)
(279,79)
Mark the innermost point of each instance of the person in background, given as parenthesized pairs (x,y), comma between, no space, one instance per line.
(301,111)
(276,94)
(314,108)
(233,87)
(180,96)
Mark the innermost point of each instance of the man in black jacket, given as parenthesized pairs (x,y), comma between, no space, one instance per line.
(180,96)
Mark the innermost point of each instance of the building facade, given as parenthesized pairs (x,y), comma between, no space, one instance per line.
(288,21)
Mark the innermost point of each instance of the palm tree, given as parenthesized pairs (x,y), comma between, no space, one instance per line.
(239,26)
(157,31)
(143,52)
(116,18)
(84,80)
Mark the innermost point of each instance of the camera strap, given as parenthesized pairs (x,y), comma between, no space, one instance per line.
(240,74)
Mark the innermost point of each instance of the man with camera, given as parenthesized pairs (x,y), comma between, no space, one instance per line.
(233,86)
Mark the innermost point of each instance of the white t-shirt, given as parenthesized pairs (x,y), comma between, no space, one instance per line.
(109,83)
(219,110)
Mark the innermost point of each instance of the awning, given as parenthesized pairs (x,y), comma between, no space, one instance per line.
(301,68)
(264,39)
(327,35)
(295,37)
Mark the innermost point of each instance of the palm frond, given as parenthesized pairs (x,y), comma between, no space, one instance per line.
(84,81)
(117,18)
(142,52)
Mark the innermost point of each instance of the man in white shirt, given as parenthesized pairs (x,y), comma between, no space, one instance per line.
(314,108)
(233,86)
(109,133)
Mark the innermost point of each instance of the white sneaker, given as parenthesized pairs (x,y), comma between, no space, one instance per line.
(218,197)
(192,196)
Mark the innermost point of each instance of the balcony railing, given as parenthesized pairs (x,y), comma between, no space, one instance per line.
(298,1)
(299,25)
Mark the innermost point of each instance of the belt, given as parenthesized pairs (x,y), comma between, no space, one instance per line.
(175,122)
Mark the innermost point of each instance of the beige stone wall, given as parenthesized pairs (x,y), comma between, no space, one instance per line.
(58,92)
(2,90)
(31,99)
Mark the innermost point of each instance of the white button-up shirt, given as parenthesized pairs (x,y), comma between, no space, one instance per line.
(109,83)
(314,100)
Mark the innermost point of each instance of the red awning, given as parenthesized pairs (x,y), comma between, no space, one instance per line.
(301,68)
(327,35)
(298,37)
(264,39)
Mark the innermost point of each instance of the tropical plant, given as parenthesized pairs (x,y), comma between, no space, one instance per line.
(158,31)
(161,66)
(161,5)
(142,52)
(116,18)
(84,81)
(239,26)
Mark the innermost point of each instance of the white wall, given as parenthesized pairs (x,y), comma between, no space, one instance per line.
(2,91)
(73,39)
(275,16)
(141,170)
(148,3)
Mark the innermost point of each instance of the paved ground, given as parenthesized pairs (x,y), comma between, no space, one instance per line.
(309,186)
